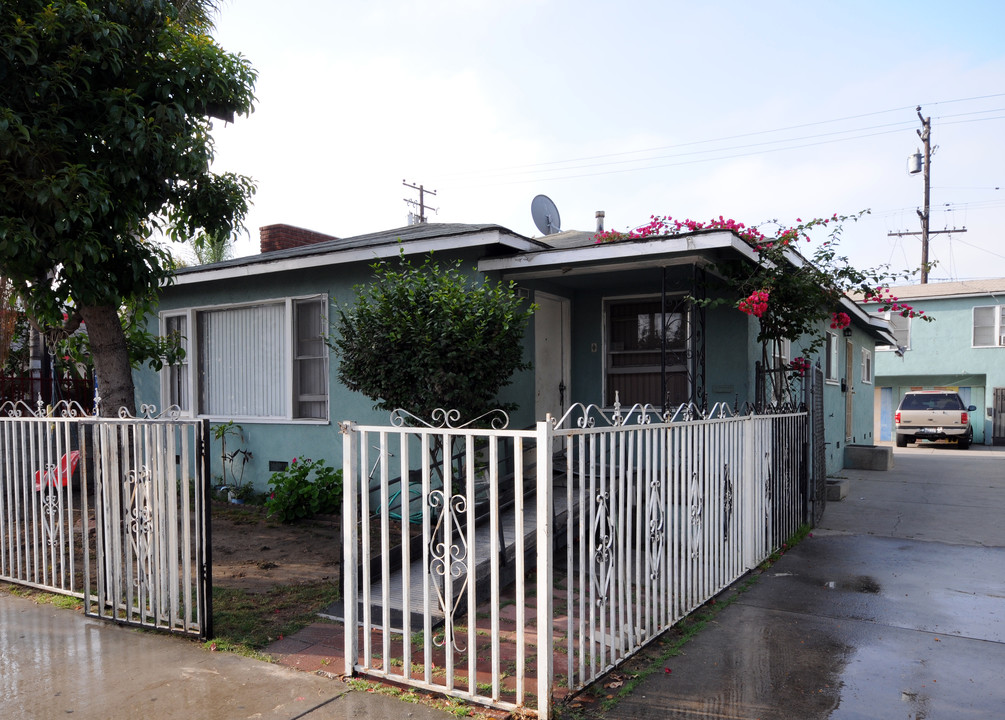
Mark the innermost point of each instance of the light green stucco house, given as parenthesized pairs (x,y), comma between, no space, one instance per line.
(963,349)
(253,329)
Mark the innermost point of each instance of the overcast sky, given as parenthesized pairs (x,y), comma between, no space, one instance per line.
(750,110)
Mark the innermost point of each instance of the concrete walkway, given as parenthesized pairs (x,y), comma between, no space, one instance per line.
(894,608)
(58,663)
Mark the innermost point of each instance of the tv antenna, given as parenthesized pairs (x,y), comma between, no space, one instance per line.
(545,215)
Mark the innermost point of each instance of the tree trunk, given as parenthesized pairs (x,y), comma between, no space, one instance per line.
(111,359)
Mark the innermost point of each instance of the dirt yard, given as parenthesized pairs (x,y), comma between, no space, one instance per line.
(254,554)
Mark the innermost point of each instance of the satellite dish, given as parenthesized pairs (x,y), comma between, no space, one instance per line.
(545,215)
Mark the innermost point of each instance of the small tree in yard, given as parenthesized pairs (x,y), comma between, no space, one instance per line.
(427,337)
(105,138)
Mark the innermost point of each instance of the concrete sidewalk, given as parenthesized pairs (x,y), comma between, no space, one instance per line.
(59,663)
(894,608)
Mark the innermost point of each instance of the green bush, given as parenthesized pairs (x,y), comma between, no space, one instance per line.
(304,489)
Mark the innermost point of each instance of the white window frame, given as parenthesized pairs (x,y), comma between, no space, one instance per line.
(832,357)
(289,379)
(998,331)
(781,353)
(893,317)
(867,368)
(177,375)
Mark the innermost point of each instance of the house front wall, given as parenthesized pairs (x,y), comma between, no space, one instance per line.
(941,355)
(731,351)
(276,441)
(729,339)
(726,332)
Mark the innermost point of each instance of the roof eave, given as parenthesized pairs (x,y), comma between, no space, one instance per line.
(264,265)
(627,254)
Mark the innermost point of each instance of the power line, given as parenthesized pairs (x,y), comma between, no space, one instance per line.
(541,174)
(543,167)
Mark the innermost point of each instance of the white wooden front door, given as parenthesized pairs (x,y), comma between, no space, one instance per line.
(552,348)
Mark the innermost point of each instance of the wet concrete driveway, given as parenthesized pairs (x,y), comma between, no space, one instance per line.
(894,608)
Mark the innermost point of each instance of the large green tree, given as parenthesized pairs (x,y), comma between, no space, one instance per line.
(106,112)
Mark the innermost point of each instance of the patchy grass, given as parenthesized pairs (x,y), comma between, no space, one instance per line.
(40,597)
(245,622)
(454,706)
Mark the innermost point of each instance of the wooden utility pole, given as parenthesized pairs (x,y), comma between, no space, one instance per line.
(421,204)
(925,133)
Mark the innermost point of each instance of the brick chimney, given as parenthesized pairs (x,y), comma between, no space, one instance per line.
(285,237)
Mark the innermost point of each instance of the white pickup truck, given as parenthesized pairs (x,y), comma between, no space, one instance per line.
(933,415)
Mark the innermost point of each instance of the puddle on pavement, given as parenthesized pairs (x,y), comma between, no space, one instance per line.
(862,584)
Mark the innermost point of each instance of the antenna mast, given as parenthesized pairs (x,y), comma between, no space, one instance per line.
(419,219)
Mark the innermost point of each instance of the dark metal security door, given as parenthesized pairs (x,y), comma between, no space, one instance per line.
(818,467)
(998,424)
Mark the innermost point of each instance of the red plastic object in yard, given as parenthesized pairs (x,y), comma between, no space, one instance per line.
(52,478)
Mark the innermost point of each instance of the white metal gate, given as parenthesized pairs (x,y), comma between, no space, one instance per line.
(654,516)
(111,510)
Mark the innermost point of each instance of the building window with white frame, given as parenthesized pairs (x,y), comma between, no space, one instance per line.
(264,360)
(781,350)
(988,330)
(866,365)
(177,375)
(636,332)
(831,369)
(900,328)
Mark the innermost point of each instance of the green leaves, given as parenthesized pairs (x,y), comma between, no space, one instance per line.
(104,132)
(427,337)
(304,489)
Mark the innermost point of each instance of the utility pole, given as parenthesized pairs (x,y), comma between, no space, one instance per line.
(925,133)
(421,204)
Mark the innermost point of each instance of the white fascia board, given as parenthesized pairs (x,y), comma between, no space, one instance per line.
(351,255)
(880,328)
(626,253)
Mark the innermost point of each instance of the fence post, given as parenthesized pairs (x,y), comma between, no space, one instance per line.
(350,559)
(205,518)
(545,567)
(751,493)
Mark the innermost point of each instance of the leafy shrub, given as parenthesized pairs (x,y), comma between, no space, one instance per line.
(304,489)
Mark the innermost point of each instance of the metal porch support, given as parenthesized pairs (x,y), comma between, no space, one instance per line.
(696,346)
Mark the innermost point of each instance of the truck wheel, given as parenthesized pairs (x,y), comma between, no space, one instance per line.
(902,441)
(964,443)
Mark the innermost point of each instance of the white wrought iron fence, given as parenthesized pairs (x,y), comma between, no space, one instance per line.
(41,533)
(152,553)
(666,515)
(111,510)
(442,529)
(450,534)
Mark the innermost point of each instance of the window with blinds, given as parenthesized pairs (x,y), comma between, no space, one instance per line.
(988,331)
(265,360)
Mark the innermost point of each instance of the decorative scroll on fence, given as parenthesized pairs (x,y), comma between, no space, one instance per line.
(655,513)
